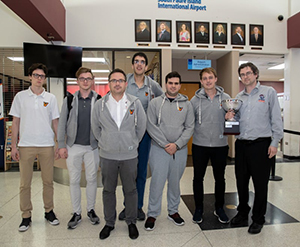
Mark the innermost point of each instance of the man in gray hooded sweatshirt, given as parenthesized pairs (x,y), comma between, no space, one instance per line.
(170,125)
(209,142)
(119,123)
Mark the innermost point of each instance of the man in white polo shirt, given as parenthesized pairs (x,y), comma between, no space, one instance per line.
(34,113)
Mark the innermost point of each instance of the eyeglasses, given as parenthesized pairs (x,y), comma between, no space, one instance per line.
(139,61)
(114,81)
(247,74)
(82,79)
(37,76)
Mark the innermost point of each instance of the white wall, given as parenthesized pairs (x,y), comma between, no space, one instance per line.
(110,23)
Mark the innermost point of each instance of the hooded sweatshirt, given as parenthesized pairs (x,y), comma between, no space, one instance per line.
(150,90)
(209,119)
(119,143)
(170,122)
(67,127)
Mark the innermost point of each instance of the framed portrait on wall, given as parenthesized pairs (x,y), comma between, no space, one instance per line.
(201,32)
(256,35)
(238,34)
(220,33)
(142,30)
(163,31)
(183,31)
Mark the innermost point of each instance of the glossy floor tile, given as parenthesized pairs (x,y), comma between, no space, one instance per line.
(282,227)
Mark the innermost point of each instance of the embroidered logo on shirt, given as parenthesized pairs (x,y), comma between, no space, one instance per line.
(261,98)
(146,94)
(131,111)
(46,103)
(180,108)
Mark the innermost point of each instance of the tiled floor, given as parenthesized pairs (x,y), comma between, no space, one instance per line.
(284,198)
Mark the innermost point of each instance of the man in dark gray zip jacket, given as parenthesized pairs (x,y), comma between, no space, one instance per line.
(209,143)
(119,123)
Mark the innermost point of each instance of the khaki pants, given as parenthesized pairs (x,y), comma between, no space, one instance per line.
(46,159)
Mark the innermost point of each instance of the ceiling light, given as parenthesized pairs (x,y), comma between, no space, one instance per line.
(281,79)
(101,82)
(93,59)
(100,70)
(100,78)
(241,62)
(16,59)
(279,66)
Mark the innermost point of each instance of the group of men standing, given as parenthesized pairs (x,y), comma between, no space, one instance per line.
(137,118)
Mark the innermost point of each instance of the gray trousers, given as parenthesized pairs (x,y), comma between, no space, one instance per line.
(128,172)
(165,167)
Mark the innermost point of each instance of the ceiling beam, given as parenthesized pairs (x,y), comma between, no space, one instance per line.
(47,18)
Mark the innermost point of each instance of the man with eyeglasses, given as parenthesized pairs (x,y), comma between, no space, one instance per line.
(35,112)
(171,125)
(146,89)
(77,144)
(261,129)
(119,123)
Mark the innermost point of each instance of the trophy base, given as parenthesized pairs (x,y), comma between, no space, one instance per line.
(232,128)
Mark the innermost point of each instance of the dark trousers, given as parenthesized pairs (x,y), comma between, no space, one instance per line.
(143,157)
(251,160)
(128,171)
(201,156)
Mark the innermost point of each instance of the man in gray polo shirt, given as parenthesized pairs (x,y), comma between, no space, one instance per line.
(261,129)
(77,144)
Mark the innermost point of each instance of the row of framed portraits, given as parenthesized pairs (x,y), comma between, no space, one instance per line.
(202,33)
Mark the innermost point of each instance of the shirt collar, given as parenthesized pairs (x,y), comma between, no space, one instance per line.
(90,95)
(30,93)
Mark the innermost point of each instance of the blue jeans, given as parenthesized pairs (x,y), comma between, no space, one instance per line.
(143,157)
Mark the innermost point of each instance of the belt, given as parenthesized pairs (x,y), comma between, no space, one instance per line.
(260,139)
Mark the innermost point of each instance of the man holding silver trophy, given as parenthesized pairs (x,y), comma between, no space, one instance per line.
(209,142)
(261,129)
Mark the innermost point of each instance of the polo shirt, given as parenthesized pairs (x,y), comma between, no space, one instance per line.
(36,113)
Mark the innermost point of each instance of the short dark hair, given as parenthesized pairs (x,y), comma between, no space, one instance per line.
(35,66)
(82,70)
(139,54)
(117,70)
(251,66)
(172,75)
(209,70)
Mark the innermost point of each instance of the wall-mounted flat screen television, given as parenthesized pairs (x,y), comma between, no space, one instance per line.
(61,61)
(198,64)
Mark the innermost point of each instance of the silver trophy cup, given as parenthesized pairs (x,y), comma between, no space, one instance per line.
(232,127)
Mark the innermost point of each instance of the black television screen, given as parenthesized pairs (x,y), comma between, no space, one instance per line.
(61,61)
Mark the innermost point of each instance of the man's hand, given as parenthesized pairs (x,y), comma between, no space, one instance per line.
(272,151)
(171,148)
(229,115)
(63,153)
(15,154)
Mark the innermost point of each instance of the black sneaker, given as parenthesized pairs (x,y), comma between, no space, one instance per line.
(141,215)
(25,224)
(239,220)
(197,217)
(74,221)
(222,217)
(150,224)
(51,218)
(94,219)
(178,221)
(122,215)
